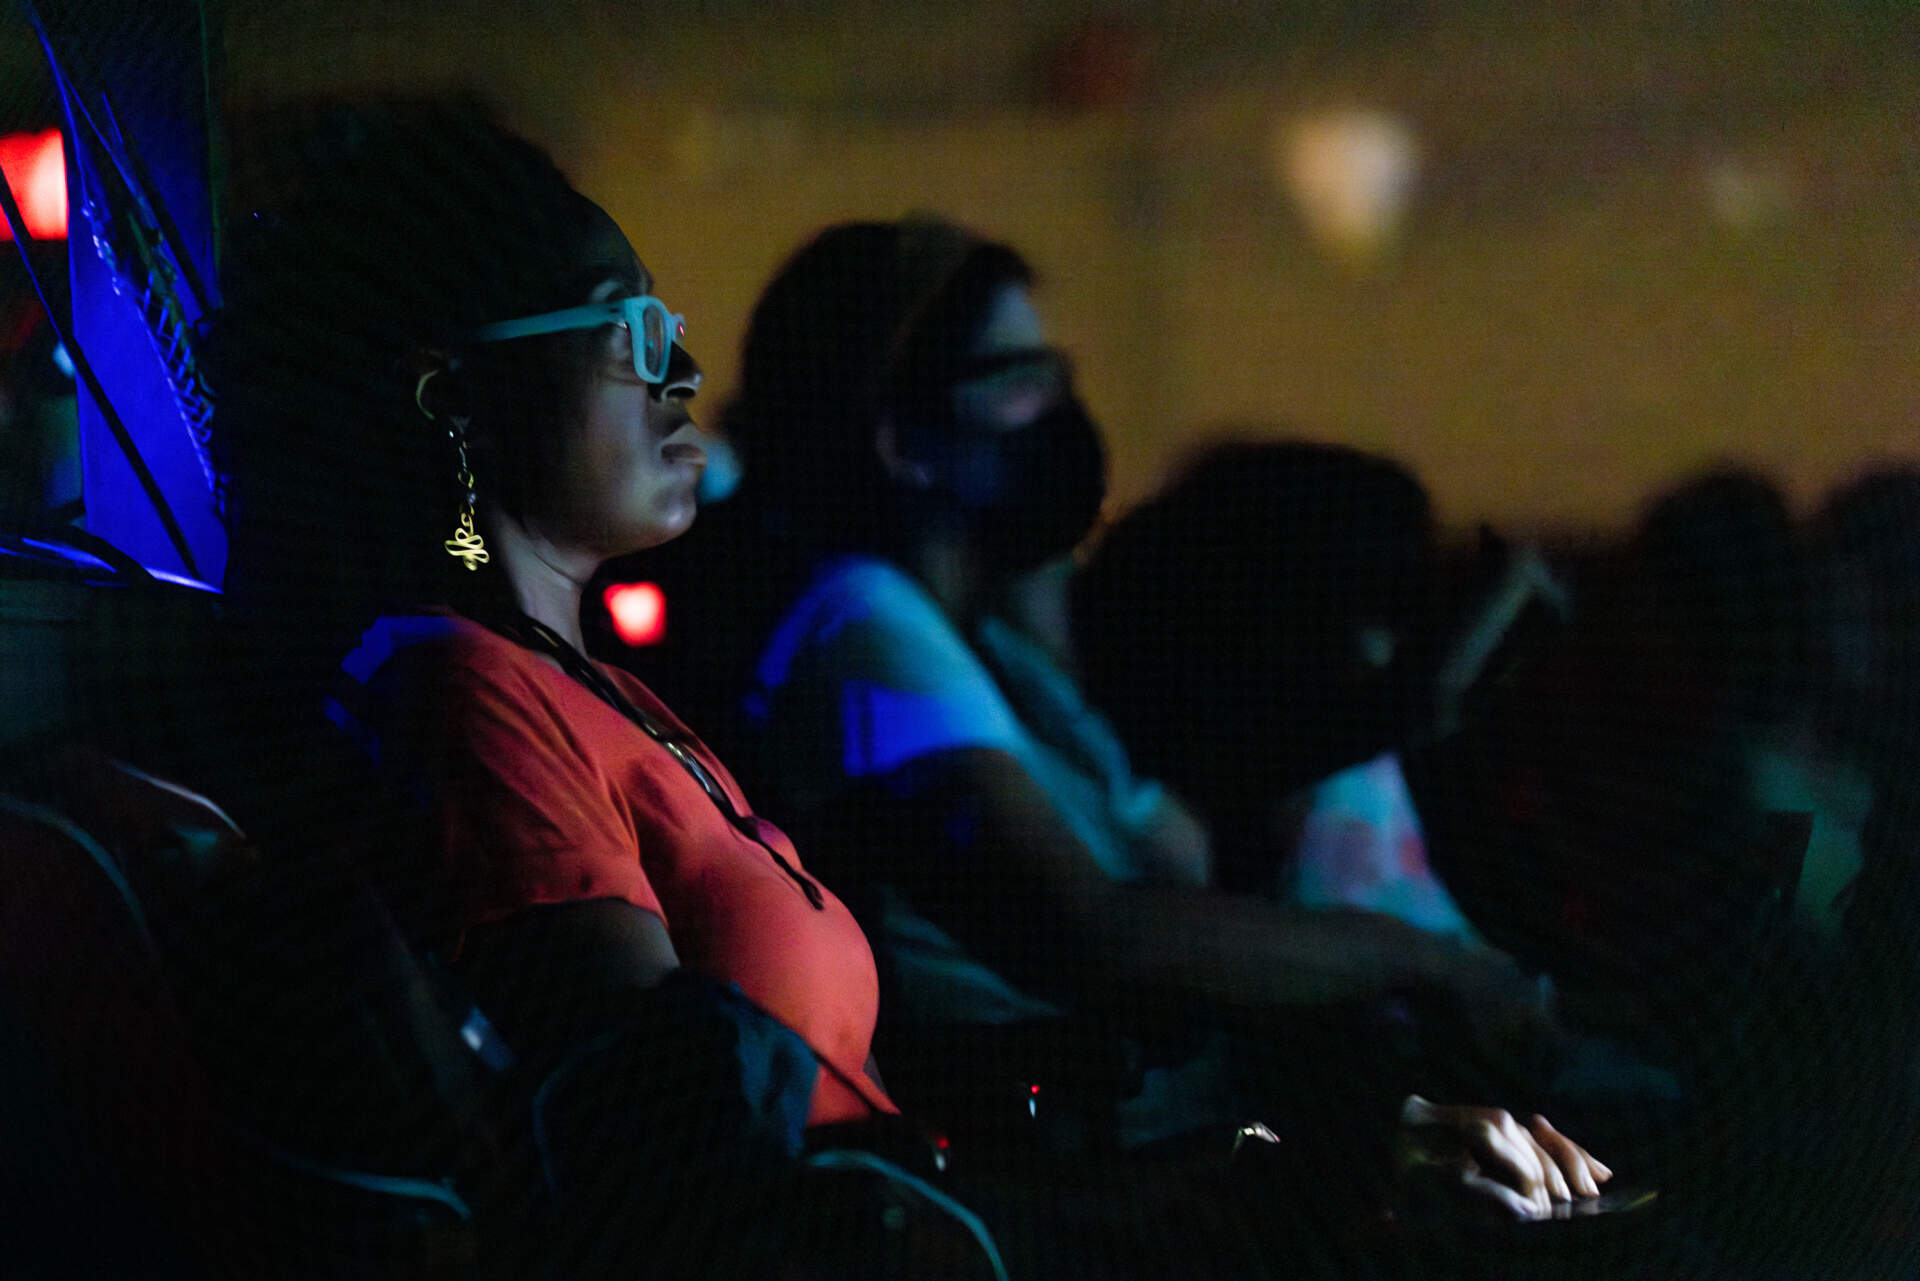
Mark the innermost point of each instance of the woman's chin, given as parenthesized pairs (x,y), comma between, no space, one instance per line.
(673,521)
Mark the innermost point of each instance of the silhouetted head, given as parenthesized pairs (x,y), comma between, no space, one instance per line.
(1867,538)
(1249,627)
(895,376)
(1721,565)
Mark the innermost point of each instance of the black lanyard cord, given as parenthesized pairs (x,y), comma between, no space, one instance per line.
(534,634)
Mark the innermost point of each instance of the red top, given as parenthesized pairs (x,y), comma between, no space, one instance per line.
(545,795)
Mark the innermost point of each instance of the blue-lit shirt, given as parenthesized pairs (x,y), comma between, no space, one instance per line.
(866,674)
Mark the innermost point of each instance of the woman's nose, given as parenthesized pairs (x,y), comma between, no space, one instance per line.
(683,375)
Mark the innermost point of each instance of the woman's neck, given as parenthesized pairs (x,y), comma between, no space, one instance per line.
(943,561)
(546,579)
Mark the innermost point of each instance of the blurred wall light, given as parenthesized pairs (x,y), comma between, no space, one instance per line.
(1744,195)
(35,165)
(639,612)
(1351,174)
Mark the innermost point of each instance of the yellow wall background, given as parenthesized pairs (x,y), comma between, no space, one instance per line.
(1565,326)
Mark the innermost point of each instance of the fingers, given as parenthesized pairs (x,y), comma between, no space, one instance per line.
(1519,1206)
(1496,1145)
(1535,1164)
(1584,1172)
(1505,1152)
(1556,1178)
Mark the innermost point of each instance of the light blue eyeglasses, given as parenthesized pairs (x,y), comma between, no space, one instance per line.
(655,329)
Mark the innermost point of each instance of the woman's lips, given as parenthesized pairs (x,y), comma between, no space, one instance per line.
(690,454)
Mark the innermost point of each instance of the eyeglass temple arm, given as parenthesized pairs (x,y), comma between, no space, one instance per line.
(552,322)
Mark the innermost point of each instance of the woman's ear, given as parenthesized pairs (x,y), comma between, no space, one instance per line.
(900,469)
(440,389)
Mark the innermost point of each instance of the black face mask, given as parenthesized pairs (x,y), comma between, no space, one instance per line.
(1027,495)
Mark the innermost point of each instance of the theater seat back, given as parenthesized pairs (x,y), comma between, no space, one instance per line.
(81,988)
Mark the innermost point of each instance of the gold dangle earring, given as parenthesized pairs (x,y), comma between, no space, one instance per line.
(466,545)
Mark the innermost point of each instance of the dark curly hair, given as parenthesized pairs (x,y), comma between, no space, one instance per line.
(369,241)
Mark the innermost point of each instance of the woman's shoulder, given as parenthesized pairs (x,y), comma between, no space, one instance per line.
(867,590)
(437,645)
(433,676)
(857,572)
(856,605)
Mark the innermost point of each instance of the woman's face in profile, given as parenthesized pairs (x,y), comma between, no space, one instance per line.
(1010,399)
(625,475)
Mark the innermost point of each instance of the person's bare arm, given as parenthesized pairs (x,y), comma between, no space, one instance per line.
(1173,847)
(999,868)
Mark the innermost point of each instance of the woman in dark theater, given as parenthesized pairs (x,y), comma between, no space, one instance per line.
(448,393)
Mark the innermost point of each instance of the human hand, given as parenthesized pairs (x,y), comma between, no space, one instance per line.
(1525,1168)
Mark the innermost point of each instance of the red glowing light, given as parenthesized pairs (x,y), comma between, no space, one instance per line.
(35,167)
(1033,1089)
(639,612)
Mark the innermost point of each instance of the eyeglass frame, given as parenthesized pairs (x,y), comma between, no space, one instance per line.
(980,368)
(989,363)
(630,312)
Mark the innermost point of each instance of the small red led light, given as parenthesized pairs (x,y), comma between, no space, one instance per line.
(639,612)
(35,167)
